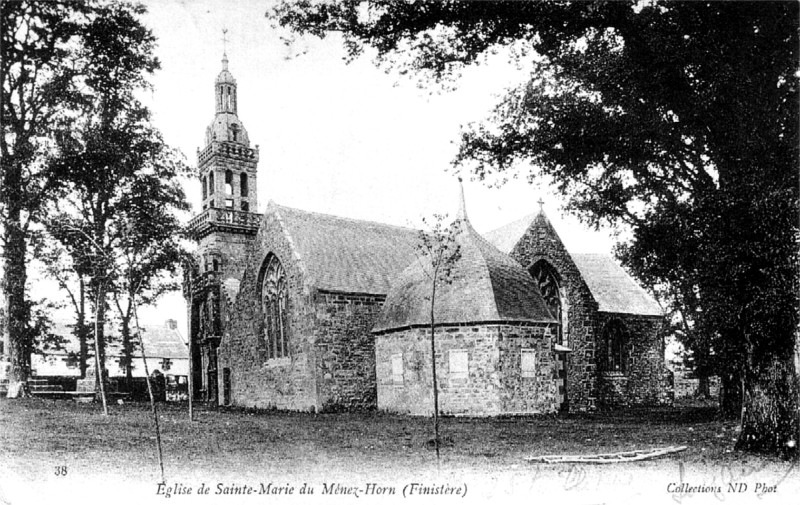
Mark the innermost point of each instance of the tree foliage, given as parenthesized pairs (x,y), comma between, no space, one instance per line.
(40,94)
(80,156)
(117,216)
(675,119)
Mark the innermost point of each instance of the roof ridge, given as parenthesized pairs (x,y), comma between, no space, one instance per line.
(482,241)
(341,218)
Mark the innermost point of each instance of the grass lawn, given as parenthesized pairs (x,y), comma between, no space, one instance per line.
(234,448)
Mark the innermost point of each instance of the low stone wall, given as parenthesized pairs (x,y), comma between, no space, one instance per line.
(688,386)
(478,370)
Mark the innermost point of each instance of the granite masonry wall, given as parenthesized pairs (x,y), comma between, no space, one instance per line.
(284,383)
(229,249)
(646,380)
(492,383)
(331,366)
(345,350)
(541,242)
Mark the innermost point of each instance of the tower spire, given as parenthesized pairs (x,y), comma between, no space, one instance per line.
(462,204)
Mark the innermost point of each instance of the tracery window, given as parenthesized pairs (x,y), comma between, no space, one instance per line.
(615,337)
(275,301)
(549,284)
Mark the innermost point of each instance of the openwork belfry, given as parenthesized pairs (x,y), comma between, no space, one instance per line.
(297,310)
(275,301)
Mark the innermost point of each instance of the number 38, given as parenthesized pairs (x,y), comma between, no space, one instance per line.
(61,471)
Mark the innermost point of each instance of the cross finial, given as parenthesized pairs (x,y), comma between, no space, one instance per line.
(225,49)
(541,205)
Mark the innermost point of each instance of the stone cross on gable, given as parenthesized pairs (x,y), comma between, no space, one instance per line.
(541,205)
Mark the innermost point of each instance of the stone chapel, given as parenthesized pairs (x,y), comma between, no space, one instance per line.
(298,310)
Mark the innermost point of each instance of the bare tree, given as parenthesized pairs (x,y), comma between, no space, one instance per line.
(439,251)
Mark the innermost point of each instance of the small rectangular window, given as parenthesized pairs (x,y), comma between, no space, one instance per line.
(229,204)
(397,368)
(459,364)
(245,207)
(528,363)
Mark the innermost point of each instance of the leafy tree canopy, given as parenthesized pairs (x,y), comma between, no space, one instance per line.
(678,119)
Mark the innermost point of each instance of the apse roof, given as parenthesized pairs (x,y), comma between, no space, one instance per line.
(611,286)
(485,285)
(348,255)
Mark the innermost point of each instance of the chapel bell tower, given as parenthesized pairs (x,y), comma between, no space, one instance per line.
(224,229)
(227,167)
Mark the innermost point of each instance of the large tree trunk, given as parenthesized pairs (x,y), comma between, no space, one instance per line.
(16,335)
(771,409)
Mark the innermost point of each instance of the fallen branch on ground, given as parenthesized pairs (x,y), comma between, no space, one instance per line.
(614,457)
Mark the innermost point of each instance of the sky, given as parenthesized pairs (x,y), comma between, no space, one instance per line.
(337,138)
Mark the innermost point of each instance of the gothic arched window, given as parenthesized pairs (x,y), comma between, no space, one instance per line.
(274,303)
(205,188)
(615,339)
(211,183)
(549,283)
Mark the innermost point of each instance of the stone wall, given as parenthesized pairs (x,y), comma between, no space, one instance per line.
(345,350)
(646,380)
(230,249)
(492,383)
(331,365)
(687,385)
(541,241)
(284,383)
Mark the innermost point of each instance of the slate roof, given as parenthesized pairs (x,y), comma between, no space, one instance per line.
(611,286)
(159,341)
(347,255)
(487,286)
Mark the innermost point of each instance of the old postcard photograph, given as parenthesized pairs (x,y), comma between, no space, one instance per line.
(293,251)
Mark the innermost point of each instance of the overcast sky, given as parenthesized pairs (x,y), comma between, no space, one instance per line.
(349,140)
